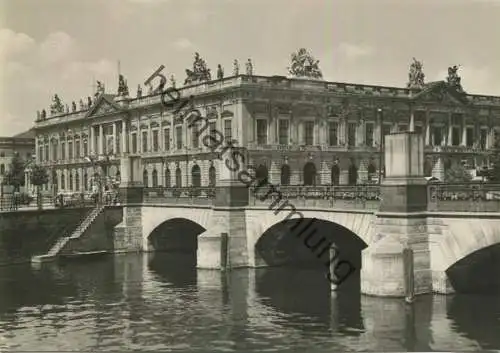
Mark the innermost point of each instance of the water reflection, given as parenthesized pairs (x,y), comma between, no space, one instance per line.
(160,302)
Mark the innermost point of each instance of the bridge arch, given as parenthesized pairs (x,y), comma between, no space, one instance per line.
(175,234)
(156,220)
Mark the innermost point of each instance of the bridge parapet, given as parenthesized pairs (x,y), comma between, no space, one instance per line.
(470,197)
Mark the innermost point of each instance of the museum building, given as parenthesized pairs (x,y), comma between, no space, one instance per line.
(297,129)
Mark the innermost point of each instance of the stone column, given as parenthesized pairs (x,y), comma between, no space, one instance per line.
(228,216)
(427,128)
(101,139)
(124,137)
(90,144)
(115,142)
(411,127)
(464,131)
(401,222)
(450,130)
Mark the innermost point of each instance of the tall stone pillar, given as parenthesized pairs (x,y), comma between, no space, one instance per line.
(128,234)
(228,216)
(401,222)
(101,140)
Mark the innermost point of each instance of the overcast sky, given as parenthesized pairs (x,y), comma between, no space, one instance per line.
(59,46)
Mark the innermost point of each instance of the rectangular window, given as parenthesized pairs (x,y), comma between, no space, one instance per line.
(455,136)
(63,151)
(155,140)
(333,131)
(309,133)
(178,137)
(195,135)
(369,129)
(118,143)
(482,138)
(144,141)
(351,134)
(261,131)
(228,130)
(283,127)
(437,133)
(212,126)
(418,129)
(85,148)
(70,150)
(47,152)
(403,127)
(77,148)
(40,153)
(469,137)
(134,143)
(54,152)
(166,139)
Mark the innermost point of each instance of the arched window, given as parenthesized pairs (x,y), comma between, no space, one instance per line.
(285,174)
(212,176)
(196,176)
(352,174)
(154,177)
(145,178)
(167,177)
(63,181)
(85,181)
(178,177)
(335,176)
(54,180)
(309,174)
(77,181)
(70,187)
(261,174)
(2,169)
(118,176)
(371,171)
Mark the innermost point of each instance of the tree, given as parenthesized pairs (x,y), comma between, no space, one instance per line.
(39,177)
(15,174)
(458,174)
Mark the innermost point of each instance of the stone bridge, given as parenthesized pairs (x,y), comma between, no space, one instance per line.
(371,226)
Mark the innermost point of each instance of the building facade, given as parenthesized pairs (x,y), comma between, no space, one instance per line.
(22,144)
(297,130)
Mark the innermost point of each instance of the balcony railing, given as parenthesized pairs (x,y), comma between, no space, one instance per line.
(179,195)
(470,197)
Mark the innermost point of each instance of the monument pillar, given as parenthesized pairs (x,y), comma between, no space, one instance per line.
(215,249)
(401,224)
(128,234)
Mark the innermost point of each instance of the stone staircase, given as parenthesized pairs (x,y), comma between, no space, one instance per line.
(75,234)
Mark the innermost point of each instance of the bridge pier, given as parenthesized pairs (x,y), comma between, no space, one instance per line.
(401,223)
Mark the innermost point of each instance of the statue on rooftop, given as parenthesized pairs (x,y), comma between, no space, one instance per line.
(200,71)
(249,67)
(67,109)
(304,65)
(122,86)
(416,75)
(89,102)
(82,105)
(43,115)
(220,72)
(56,107)
(172,80)
(236,68)
(139,91)
(453,80)
(99,89)
(73,106)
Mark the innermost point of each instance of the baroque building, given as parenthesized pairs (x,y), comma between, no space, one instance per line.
(22,144)
(298,129)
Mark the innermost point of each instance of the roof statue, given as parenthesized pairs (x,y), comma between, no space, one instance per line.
(82,105)
(122,86)
(220,72)
(304,65)
(89,102)
(99,89)
(200,71)
(56,107)
(416,75)
(43,115)
(73,106)
(172,80)
(236,68)
(453,80)
(249,67)
(67,109)
(139,91)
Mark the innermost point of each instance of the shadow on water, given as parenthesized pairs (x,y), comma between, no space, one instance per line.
(177,268)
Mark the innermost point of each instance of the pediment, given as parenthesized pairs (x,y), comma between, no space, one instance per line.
(440,92)
(103,106)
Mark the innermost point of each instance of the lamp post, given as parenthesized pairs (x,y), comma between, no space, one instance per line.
(381,144)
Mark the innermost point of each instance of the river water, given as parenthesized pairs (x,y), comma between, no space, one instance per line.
(160,302)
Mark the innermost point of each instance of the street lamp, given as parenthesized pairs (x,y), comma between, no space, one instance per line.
(381,144)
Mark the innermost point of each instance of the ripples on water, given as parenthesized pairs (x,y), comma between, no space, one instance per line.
(134,302)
